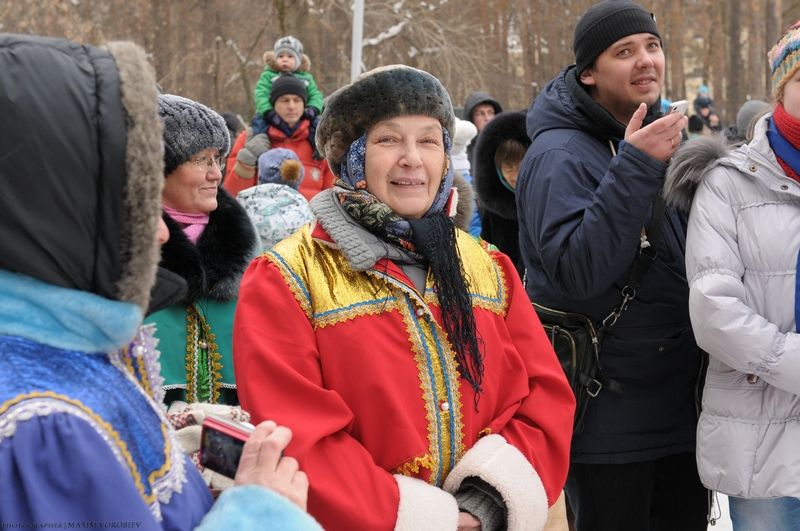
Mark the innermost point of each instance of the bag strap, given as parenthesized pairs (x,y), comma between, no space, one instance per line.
(651,236)
(647,254)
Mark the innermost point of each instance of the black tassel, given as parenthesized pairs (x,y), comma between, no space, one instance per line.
(435,239)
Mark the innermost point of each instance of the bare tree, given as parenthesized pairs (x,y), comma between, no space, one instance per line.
(211,50)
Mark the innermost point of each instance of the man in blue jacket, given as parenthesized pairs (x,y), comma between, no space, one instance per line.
(585,194)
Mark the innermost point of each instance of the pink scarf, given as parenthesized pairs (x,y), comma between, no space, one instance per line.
(193,225)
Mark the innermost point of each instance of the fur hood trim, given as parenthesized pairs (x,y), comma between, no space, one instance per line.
(144,165)
(690,164)
(493,195)
(466,200)
(269,60)
(213,267)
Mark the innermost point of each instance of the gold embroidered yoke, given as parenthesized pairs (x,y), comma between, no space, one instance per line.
(330,292)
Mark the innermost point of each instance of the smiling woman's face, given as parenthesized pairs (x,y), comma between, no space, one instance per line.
(405,162)
(192,187)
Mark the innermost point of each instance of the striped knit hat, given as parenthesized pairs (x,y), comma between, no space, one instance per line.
(784,59)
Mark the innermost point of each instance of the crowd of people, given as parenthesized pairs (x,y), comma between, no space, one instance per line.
(353,274)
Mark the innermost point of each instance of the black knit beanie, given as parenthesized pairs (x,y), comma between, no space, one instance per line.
(288,84)
(605,23)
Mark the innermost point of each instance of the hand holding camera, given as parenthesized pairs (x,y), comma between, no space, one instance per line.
(254,456)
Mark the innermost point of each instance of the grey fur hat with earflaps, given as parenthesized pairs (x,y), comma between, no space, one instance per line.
(379,94)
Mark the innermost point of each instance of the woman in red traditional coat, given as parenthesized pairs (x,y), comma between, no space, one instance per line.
(420,387)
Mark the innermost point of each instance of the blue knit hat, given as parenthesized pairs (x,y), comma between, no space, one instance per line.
(280,166)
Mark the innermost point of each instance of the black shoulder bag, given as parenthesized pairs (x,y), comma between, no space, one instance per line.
(576,338)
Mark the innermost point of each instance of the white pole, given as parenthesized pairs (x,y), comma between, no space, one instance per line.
(358,37)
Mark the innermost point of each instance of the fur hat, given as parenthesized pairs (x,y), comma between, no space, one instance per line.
(288,84)
(290,45)
(605,23)
(189,128)
(380,94)
(280,166)
(784,59)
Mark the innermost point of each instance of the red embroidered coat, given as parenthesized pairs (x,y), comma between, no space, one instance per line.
(357,364)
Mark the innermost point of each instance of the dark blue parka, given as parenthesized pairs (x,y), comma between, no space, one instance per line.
(581,210)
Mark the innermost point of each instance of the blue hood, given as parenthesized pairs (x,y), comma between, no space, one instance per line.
(555,108)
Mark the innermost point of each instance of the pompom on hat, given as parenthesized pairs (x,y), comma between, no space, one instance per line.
(189,128)
(379,94)
(280,166)
(784,59)
(605,23)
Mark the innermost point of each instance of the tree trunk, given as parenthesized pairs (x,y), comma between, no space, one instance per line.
(735,77)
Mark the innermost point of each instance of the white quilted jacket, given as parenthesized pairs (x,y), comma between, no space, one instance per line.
(741,262)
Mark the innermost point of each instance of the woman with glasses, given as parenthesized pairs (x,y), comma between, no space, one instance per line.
(211,242)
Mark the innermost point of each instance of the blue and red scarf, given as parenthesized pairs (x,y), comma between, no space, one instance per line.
(784,139)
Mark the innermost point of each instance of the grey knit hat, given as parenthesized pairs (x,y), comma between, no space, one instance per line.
(291,45)
(605,23)
(189,128)
(379,94)
(747,112)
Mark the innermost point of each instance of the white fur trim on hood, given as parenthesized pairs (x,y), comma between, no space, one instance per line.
(505,468)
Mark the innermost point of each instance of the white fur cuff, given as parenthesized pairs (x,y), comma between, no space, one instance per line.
(424,507)
(505,468)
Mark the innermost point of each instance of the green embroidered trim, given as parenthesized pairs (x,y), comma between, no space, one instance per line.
(203,360)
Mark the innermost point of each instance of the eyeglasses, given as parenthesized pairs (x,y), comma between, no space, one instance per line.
(207,162)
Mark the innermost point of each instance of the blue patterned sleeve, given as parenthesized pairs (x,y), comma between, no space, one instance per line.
(57,470)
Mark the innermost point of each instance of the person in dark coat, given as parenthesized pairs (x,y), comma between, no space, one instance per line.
(480,108)
(498,154)
(585,195)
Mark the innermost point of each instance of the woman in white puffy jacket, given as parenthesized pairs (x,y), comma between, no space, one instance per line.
(741,262)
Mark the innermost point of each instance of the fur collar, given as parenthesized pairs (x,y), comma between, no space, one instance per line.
(690,164)
(464,205)
(493,195)
(213,267)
